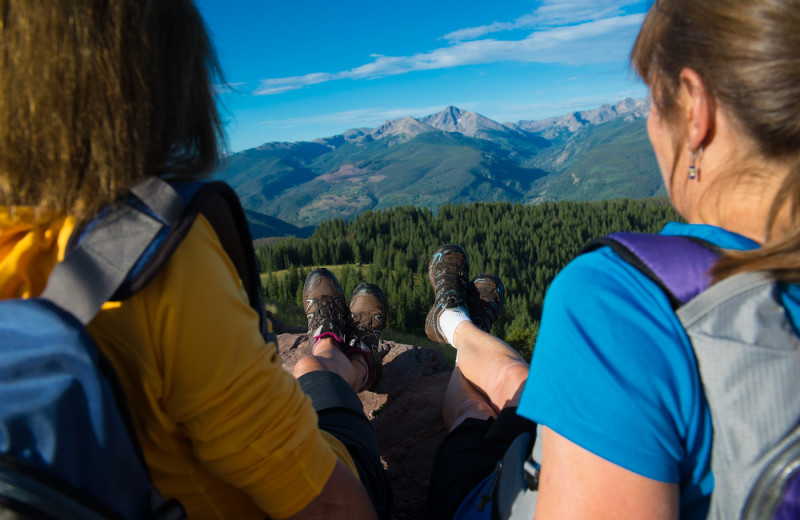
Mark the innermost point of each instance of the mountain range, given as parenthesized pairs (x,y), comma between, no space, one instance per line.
(452,156)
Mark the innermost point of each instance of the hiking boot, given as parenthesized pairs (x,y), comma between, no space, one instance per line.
(367,320)
(324,304)
(447,273)
(485,298)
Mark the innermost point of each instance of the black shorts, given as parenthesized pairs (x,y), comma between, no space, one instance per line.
(467,456)
(342,415)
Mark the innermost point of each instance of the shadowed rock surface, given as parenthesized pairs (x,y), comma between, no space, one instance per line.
(406,412)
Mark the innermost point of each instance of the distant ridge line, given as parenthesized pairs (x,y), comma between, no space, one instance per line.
(471,124)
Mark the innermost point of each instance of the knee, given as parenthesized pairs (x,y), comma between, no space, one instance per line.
(306,365)
(469,409)
(514,376)
(516,373)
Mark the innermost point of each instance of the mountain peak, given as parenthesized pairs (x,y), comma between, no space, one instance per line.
(453,112)
(453,119)
(447,120)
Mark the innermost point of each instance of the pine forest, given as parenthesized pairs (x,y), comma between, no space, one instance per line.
(526,245)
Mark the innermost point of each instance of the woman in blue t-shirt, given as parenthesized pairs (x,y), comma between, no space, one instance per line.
(614,384)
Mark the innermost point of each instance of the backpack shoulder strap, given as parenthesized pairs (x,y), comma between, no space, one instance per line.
(99,263)
(135,238)
(678,265)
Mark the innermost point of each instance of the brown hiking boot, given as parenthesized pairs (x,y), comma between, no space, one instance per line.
(485,298)
(324,304)
(447,274)
(367,320)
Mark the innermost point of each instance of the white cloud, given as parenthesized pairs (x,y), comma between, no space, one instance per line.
(565,12)
(473,33)
(574,32)
(549,14)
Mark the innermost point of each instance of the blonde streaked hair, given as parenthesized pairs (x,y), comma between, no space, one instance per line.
(97,94)
(747,53)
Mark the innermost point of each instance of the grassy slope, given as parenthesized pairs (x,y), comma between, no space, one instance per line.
(427,171)
(611,161)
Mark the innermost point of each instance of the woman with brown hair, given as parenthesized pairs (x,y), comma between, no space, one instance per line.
(95,97)
(630,399)
(627,419)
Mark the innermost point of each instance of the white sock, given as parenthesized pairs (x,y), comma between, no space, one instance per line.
(450,319)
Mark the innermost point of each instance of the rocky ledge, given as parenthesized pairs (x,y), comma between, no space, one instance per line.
(406,411)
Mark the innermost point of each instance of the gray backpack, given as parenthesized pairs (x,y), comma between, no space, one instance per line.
(748,355)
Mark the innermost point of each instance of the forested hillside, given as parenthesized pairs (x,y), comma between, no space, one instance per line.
(525,244)
(454,156)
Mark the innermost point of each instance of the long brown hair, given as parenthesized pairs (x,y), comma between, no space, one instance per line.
(97,94)
(747,53)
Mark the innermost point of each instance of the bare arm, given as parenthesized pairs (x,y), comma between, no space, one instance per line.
(576,483)
(343,497)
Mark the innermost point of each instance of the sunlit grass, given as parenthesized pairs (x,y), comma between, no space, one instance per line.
(336,269)
(408,338)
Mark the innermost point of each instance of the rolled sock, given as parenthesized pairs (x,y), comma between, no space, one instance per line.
(324,335)
(450,319)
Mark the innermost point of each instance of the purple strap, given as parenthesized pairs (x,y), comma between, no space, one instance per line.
(790,506)
(679,264)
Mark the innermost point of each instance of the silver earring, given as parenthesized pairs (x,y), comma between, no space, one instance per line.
(692,167)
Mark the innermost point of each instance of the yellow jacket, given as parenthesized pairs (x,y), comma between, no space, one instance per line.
(223,427)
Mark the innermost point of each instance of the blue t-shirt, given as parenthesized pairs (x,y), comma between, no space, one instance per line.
(614,372)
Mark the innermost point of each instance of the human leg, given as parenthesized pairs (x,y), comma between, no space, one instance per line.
(481,397)
(341,364)
(341,414)
(329,321)
(495,369)
(328,357)
(491,365)
(467,457)
(463,401)
(479,437)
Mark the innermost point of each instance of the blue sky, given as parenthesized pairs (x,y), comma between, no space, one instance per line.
(303,69)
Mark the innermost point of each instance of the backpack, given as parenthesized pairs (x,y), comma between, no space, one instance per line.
(67,447)
(748,355)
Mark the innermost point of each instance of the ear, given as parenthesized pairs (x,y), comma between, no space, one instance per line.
(699,106)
